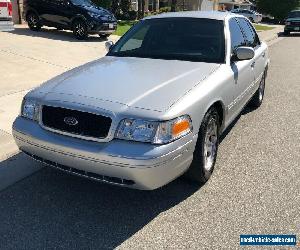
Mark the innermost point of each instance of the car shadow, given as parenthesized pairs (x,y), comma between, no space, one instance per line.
(54,34)
(51,209)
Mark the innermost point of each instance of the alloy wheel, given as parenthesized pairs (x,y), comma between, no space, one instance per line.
(210,144)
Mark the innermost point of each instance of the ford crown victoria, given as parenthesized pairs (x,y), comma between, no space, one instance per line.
(154,107)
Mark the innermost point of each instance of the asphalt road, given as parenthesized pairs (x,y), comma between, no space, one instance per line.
(254,190)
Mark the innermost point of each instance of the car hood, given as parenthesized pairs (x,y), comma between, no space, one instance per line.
(151,84)
(294,19)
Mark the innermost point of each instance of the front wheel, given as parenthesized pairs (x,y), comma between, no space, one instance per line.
(206,149)
(33,21)
(80,30)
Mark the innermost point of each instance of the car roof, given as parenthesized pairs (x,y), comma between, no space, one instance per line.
(217,15)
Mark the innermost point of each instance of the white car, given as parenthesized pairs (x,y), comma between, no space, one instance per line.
(154,107)
(253,16)
(6,23)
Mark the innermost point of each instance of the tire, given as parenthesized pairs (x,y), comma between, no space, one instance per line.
(80,29)
(33,21)
(204,160)
(258,97)
(104,36)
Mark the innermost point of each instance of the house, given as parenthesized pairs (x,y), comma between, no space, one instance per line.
(155,5)
(236,4)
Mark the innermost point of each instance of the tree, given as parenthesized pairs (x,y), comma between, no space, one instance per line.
(277,8)
(141,9)
(173,5)
(115,6)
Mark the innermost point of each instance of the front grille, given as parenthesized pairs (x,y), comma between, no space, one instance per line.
(76,122)
(296,24)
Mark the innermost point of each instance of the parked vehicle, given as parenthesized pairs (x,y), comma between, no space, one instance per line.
(6,23)
(253,16)
(292,23)
(81,16)
(154,107)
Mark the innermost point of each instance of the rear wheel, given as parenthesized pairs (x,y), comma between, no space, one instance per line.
(80,29)
(33,21)
(258,97)
(206,150)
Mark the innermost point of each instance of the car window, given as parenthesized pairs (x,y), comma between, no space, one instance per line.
(252,39)
(135,42)
(237,38)
(294,14)
(187,39)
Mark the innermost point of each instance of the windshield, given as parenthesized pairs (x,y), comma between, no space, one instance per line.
(188,39)
(82,2)
(294,14)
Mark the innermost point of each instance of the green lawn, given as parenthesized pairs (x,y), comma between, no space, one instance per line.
(123,26)
(260,27)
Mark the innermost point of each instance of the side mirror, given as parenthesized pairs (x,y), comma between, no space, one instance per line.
(108,45)
(243,53)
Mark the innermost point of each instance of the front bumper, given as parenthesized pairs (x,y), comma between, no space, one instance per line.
(96,27)
(292,28)
(132,164)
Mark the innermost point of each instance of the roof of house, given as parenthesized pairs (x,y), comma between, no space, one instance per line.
(218,15)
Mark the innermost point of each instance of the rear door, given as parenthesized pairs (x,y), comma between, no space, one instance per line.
(61,12)
(259,60)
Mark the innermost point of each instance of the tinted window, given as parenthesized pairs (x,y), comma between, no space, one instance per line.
(252,39)
(189,39)
(294,14)
(237,38)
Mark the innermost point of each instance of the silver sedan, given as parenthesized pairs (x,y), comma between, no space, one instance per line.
(154,107)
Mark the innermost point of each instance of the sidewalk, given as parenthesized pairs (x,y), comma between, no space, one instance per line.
(270,35)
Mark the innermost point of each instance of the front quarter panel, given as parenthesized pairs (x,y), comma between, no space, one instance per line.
(215,89)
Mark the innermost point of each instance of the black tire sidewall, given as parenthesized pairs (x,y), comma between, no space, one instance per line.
(85,27)
(256,102)
(34,28)
(197,171)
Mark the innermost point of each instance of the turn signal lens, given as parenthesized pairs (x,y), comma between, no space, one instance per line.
(180,126)
(172,130)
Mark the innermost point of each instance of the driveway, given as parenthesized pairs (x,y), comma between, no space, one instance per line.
(30,58)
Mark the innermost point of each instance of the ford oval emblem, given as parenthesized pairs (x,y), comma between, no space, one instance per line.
(71,121)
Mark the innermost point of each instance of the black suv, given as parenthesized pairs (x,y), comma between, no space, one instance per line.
(81,16)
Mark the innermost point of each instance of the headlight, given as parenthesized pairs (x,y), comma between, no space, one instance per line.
(152,131)
(30,109)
